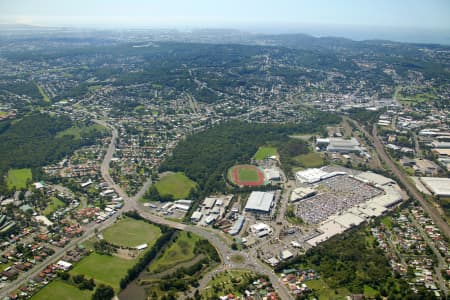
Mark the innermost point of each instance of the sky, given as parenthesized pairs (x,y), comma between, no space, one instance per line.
(257,15)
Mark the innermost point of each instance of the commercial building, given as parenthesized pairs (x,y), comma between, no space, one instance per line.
(237,226)
(260,202)
(272,175)
(209,202)
(438,186)
(196,216)
(339,145)
(314,175)
(302,193)
(260,229)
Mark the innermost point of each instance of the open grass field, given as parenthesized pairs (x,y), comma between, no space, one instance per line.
(130,233)
(58,290)
(53,206)
(310,160)
(18,178)
(104,269)
(177,184)
(324,292)
(180,251)
(76,132)
(246,175)
(224,281)
(264,152)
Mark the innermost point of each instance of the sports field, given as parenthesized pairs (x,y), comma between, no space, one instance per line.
(131,233)
(58,290)
(246,175)
(177,184)
(264,152)
(104,269)
(18,178)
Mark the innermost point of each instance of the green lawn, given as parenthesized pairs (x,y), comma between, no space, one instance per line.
(264,152)
(60,290)
(248,174)
(76,132)
(4,266)
(18,178)
(53,206)
(176,184)
(43,94)
(104,269)
(324,292)
(223,283)
(131,233)
(180,251)
(370,292)
(387,222)
(310,160)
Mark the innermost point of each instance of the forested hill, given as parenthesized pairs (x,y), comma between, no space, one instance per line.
(205,156)
(32,142)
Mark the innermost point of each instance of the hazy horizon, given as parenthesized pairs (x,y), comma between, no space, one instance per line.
(406,21)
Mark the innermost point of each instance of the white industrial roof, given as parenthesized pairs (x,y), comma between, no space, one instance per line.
(348,220)
(260,201)
(209,202)
(329,229)
(375,178)
(438,186)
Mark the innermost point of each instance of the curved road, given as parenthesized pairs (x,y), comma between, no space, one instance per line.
(225,252)
(132,203)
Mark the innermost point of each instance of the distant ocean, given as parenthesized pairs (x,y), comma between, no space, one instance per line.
(360,33)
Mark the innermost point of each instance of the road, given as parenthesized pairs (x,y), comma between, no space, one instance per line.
(223,249)
(442,265)
(429,209)
(132,203)
(432,211)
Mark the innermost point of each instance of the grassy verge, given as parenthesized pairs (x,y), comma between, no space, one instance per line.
(43,94)
(180,251)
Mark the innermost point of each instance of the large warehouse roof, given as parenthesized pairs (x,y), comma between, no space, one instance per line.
(260,201)
(315,175)
(438,186)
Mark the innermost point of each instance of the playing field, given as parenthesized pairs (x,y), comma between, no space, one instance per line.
(131,233)
(58,290)
(104,269)
(180,251)
(246,175)
(177,184)
(264,152)
(18,178)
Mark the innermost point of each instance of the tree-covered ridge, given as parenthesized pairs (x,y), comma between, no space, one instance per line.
(206,156)
(32,141)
